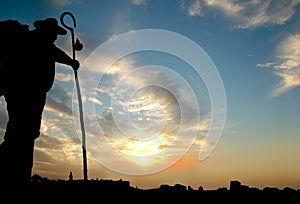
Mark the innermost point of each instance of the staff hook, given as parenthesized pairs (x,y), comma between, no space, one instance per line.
(75,45)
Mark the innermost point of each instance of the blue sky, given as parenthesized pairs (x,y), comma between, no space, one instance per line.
(255,48)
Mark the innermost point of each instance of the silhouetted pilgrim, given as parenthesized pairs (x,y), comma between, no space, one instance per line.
(31,69)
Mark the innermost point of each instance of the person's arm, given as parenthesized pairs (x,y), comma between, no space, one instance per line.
(61,57)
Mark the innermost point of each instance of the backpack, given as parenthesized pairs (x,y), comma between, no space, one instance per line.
(11,34)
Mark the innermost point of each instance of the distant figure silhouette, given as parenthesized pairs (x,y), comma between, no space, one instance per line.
(30,63)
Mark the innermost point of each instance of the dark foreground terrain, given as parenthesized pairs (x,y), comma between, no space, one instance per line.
(107,191)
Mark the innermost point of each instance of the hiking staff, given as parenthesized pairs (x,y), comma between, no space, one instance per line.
(77,46)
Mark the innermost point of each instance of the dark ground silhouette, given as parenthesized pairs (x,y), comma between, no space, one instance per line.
(44,190)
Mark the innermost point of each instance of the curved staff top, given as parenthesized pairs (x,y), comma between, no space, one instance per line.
(77,46)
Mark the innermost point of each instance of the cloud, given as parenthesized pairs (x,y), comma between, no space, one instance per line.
(139,2)
(61,3)
(287,64)
(64,77)
(59,101)
(48,142)
(3,113)
(121,22)
(57,108)
(54,156)
(193,8)
(247,14)
(229,8)
(258,13)
(51,150)
(95,101)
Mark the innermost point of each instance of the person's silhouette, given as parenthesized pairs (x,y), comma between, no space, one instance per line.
(33,67)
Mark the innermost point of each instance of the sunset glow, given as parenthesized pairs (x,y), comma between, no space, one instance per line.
(197,92)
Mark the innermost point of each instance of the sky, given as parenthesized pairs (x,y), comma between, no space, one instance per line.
(195,92)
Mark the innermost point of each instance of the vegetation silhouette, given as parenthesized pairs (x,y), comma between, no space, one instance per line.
(27,60)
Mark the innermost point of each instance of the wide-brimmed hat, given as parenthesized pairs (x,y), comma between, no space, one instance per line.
(50,24)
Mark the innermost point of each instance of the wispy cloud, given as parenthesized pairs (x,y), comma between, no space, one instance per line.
(139,2)
(287,64)
(193,8)
(246,14)
(121,21)
(229,8)
(61,3)
(64,77)
(3,113)
(258,13)
(56,156)
(59,101)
